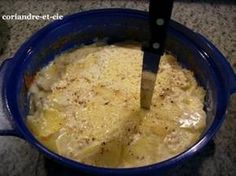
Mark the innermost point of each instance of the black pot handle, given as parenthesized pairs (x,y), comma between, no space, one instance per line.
(7,126)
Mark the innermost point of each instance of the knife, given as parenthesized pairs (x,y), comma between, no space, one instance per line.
(159,17)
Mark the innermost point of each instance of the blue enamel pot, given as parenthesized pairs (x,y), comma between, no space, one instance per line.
(195,52)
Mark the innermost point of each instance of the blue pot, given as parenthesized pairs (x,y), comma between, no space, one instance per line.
(192,50)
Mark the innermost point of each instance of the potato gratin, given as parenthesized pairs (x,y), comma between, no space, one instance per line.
(85,106)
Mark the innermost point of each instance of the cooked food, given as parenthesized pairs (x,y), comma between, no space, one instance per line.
(85,105)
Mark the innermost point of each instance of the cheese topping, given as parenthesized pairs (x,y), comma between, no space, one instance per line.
(85,105)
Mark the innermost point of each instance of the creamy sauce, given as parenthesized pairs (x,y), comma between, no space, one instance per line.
(85,106)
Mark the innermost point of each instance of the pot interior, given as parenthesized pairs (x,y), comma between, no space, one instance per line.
(83,29)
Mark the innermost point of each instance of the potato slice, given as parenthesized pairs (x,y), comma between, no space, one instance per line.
(141,151)
(157,126)
(99,153)
(47,77)
(108,154)
(48,122)
(50,142)
(179,140)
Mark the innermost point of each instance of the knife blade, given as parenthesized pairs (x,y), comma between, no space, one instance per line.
(159,17)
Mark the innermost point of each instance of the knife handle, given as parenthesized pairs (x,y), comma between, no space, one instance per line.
(159,17)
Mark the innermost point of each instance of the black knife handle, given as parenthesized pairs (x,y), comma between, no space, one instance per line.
(159,17)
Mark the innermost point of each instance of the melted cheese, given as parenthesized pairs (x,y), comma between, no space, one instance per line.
(86,106)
